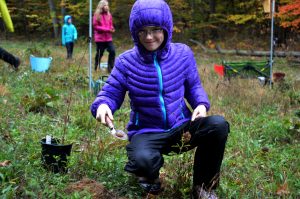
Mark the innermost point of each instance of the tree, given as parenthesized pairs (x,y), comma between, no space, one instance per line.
(290,15)
(121,10)
(62,10)
(53,17)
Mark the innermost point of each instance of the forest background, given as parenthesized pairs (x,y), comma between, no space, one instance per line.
(231,23)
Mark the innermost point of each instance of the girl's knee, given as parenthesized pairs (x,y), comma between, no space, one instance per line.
(147,159)
(219,123)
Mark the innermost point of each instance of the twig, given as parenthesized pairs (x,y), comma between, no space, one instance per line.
(66,118)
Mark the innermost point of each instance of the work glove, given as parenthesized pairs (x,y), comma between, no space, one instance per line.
(200,111)
(103,111)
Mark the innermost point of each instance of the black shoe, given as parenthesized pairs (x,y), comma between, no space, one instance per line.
(200,193)
(152,188)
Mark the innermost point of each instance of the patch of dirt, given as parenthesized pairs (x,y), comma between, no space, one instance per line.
(97,190)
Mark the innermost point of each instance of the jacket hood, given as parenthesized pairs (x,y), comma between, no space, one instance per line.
(151,13)
(67,17)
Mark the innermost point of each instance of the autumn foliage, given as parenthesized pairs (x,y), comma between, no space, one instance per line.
(290,15)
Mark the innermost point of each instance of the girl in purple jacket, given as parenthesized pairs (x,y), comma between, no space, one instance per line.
(158,76)
(103,29)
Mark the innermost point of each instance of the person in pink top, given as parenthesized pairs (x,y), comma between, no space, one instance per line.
(103,29)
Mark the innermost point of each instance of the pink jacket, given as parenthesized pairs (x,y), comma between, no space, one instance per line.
(103,27)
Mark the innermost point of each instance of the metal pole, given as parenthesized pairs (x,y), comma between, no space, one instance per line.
(272,41)
(90,45)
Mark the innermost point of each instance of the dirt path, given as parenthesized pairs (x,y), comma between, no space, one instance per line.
(97,190)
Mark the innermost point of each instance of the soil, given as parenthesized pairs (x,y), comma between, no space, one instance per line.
(120,135)
(97,190)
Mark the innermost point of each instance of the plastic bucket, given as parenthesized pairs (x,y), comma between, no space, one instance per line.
(54,155)
(103,65)
(40,64)
(262,81)
(97,85)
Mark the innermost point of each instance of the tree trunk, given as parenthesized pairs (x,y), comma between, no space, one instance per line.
(246,52)
(212,6)
(24,18)
(53,17)
(62,10)
(212,10)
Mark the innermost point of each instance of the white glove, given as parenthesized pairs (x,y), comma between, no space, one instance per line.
(200,111)
(104,111)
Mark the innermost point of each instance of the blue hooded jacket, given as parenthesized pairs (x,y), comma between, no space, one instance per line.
(69,32)
(157,82)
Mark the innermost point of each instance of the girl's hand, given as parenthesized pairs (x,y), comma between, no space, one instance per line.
(200,111)
(104,111)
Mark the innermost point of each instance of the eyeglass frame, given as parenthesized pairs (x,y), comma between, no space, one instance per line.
(142,33)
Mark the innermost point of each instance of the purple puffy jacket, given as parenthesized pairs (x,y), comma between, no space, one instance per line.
(157,82)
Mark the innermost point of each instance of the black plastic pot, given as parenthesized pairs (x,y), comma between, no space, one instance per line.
(54,155)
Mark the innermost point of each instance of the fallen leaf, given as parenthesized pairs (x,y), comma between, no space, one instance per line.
(265,149)
(186,137)
(151,196)
(283,189)
(5,163)
(3,90)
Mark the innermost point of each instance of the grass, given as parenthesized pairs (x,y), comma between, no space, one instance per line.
(262,153)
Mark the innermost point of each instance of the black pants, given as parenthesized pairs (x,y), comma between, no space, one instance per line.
(69,46)
(7,57)
(101,47)
(208,134)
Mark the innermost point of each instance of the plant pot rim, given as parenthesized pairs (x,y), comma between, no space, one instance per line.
(57,143)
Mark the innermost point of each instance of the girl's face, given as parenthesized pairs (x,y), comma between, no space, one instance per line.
(151,37)
(70,20)
(105,8)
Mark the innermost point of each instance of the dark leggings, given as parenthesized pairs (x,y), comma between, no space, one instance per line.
(7,57)
(101,47)
(208,134)
(69,46)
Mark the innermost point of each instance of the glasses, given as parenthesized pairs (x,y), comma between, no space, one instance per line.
(145,32)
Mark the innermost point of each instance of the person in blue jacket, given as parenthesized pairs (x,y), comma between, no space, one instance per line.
(69,35)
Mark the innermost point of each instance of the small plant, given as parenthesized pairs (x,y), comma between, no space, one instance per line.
(295,122)
(67,117)
(40,100)
(294,97)
(69,99)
